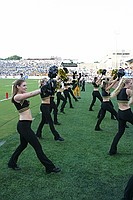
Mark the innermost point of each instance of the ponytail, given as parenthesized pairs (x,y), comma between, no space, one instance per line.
(14,87)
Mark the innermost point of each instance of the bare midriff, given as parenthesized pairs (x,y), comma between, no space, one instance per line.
(107,98)
(123,105)
(25,115)
(46,100)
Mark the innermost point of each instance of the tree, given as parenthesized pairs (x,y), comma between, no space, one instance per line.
(15,57)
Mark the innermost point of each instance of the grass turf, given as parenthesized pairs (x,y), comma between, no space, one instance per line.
(88,172)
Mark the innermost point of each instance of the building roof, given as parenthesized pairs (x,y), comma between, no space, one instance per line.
(69,64)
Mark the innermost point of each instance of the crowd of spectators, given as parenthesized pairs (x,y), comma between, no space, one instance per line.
(27,67)
(36,67)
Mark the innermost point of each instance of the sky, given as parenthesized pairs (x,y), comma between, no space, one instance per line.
(85,30)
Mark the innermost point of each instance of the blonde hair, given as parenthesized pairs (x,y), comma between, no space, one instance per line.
(14,87)
(121,84)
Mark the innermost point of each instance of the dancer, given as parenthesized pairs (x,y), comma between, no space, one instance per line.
(83,84)
(53,107)
(106,105)
(128,192)
(66,94)
(96,94)
(60,97)
(27,135)
(46,111)
(71,92)
(124,94)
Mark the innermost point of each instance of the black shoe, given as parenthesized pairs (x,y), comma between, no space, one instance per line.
(54,170)
(111,153)
(14,167)
(98,129)
(76,99)
(62,112)
(59,139)
(71,107)
(57,123)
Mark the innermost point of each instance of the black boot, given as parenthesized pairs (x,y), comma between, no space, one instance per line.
(113,151)
(97,128)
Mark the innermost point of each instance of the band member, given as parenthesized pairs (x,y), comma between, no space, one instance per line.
(76,85)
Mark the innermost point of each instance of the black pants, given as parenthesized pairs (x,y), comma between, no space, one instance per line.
(28,136)
(60,97)
(71,92)
(46,117)
(83,86)
(112,115)
(55,109)
(96,95)
(123,117)
(128,192)
(67,95)
(105,106)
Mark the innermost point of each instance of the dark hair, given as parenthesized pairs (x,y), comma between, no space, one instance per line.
(95,79)
(104,71)
(104,82)
(121,72)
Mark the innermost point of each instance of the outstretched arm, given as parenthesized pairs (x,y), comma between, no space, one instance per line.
(20,97)
(112,84)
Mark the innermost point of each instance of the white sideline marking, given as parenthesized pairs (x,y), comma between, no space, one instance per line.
(5,99)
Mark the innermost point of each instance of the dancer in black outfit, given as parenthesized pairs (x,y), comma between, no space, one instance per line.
(46,112)
(123,93)
(96,94)
(53,107)
(71,92)
(27,135)
(67,95)
(106,105)
(83,85)
(60,97)
(128,192)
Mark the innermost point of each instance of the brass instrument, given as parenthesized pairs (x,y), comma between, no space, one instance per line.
(62,75)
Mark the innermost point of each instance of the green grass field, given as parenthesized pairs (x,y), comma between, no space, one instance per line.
(88,172)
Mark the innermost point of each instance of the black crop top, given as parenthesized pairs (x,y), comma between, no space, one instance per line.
(23,106)
(104,93)
(122,96)
(95,85)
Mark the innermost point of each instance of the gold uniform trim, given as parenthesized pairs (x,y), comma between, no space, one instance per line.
(23,109)
(122,101)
